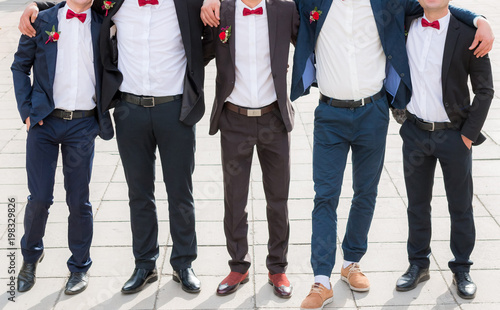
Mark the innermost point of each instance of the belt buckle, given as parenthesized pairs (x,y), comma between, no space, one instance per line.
(433,126)
(254,112)
(151,100)
(362,101)
(68,118)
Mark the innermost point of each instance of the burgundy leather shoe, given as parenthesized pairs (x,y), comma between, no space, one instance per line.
(231,283)
(281,285)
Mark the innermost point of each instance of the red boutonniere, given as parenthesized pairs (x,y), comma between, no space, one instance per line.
(107,6)
(225,34)
(53,35)
(314,15)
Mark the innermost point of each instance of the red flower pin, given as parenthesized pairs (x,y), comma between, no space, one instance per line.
(225,34)
(314,15)
(107,6)
(53,35)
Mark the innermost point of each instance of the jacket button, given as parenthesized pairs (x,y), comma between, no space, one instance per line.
(389,57)
(402,75)
(446,104)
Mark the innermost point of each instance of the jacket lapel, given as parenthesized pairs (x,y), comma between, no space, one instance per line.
(181,7)
(379,18)
(272,19)
(324,7)
(449,47)
(51,47)
(228,19)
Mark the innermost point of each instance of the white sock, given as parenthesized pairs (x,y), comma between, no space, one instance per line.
(323,280)
(347,263)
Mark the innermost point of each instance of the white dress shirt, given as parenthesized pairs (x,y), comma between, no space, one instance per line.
(254,85)
(74,81)
(349,55)
(151,54)
(425,46)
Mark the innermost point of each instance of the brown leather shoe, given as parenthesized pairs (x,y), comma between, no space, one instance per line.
(356,280)
(281,285)
(231,283)
(318,297)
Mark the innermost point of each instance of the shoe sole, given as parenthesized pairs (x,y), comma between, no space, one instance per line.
(150,279)
(356,289)
(75,292)
(461,295)
(176,279)
(326,302)
(279,295)
(235,289)
(406,289)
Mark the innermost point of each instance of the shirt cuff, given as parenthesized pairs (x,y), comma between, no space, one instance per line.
(476,19)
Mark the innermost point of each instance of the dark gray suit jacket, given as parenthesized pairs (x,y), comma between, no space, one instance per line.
(283,21)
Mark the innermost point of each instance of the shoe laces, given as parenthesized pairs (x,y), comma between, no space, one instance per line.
(355,268)
(317,288)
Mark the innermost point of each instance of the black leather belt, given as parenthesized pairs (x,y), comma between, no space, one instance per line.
(69,115)
(251,112)
(148,101)
(351,103)
(429,126)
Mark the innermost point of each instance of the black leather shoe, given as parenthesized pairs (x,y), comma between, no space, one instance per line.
(139,279)
(188,279)
(465,287)
(27,275)
(77,283)
(411,278)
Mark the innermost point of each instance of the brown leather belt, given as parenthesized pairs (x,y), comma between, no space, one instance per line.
(251,112)
(69,115)
(148,101)
(351,103)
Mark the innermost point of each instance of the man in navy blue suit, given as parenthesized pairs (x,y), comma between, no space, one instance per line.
(61,109)
(358,50)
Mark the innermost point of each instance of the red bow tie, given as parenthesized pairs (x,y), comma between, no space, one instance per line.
(144,2)
(70,14)
(257,11)
(434,24)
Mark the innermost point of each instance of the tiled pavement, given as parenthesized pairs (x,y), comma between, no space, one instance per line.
(112,253)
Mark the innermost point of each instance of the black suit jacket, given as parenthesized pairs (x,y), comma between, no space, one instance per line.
(283,23)
(188,14)
(459,63)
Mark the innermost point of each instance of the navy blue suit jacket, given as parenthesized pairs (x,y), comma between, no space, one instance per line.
(390,19)
(36,101)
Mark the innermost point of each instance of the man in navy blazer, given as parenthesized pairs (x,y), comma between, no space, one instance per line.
(61,108)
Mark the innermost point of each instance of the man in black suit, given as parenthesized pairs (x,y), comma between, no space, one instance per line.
(153,76)
(442,124)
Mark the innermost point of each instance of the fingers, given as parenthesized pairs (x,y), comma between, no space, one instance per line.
(27,121)
(474,43)
(210,13)
(40,123)
(483,49)
(29,16)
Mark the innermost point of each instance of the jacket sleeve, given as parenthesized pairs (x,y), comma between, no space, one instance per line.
(482,85)
(21,70)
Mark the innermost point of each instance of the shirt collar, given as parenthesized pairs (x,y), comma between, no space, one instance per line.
(240,6)
(443,22)
(87,18)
